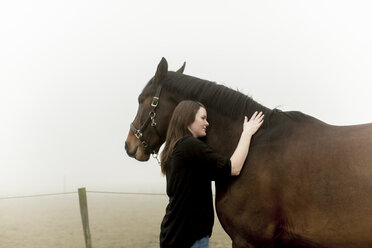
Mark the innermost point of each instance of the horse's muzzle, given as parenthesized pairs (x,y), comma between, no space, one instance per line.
(130,153)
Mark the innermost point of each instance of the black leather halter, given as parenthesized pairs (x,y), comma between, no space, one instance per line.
(151,118)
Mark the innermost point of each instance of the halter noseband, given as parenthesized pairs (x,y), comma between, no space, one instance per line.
(151,118)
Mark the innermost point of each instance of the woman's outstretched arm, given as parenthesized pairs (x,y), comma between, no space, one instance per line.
(240,154)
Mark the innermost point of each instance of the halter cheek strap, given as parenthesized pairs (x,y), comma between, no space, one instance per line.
(150,119)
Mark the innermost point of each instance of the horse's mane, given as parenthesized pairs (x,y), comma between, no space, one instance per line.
(226,101)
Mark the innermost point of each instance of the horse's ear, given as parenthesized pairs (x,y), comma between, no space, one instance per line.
(182,68)
(162,70)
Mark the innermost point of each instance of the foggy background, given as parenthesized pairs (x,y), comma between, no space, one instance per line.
(71,72)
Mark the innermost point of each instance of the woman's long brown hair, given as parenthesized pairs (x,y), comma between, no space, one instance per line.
(183,115)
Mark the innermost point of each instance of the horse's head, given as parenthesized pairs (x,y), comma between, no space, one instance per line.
(148,130)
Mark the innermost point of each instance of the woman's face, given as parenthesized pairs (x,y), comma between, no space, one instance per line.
(199,127)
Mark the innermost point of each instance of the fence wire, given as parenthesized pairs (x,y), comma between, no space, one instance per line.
(76,192)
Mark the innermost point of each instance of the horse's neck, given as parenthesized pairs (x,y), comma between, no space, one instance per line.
(223,132)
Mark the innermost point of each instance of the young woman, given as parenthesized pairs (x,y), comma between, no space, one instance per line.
(190,165)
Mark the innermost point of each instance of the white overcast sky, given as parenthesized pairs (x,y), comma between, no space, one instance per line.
(71,71)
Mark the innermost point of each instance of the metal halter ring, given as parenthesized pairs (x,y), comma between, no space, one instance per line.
(152,115)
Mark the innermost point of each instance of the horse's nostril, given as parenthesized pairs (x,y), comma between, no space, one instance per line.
(126,146)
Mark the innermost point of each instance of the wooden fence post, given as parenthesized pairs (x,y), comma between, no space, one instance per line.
(84,216)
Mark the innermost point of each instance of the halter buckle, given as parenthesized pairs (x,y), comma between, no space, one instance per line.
(138,134)
(155,101)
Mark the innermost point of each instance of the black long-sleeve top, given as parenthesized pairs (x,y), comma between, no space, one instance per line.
(189,215)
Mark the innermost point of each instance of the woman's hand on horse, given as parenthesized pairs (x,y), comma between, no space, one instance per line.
(254,123)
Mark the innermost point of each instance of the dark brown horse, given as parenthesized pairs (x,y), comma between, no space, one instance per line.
(304,184)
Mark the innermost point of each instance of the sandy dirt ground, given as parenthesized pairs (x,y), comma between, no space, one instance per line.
(116,221)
